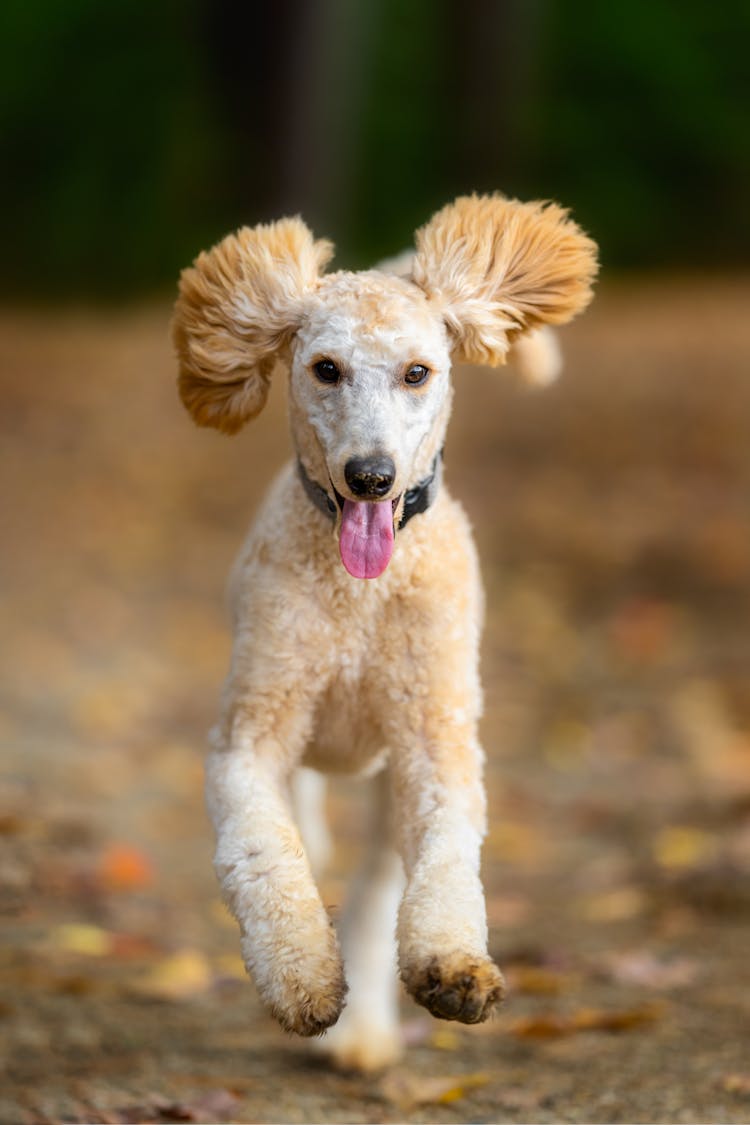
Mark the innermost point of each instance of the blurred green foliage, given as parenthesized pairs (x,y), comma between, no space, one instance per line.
(136,132)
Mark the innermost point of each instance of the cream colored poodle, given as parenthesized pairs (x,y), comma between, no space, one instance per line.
(344,675)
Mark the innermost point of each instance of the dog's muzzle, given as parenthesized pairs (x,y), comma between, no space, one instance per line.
(365,536)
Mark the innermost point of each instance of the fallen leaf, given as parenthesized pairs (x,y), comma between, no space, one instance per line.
(548,1026)
(737,1084)
(406,1090)
(87,940)
(185,973)
(124,867)
(81,938)
(11,824)
(75,984)
(445,1039)
(679,847)
(214,1106)
(595,1019)
(554,1025)
(536,981)
(133,946)
(643,629)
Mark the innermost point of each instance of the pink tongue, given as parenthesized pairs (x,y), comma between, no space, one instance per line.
(366,539)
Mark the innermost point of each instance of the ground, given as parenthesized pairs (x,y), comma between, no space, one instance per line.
(613,520)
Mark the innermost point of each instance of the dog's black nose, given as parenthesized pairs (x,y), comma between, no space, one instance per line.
(370,476)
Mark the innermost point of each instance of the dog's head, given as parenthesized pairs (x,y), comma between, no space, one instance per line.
(369,353)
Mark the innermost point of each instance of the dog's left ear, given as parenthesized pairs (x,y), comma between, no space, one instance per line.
(239,306)
(496,268)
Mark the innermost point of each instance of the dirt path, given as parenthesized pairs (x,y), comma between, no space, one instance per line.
(613,515)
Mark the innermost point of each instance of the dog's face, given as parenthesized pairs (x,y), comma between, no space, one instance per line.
(369,402)
(369,353)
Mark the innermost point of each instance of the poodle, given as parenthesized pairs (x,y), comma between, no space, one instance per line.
(357,600)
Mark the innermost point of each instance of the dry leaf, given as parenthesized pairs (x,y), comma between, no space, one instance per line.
(81,938)
(186,973)
(595,1019)
(133,946)
(737,1084)
(445,1039)
(404,1089)
(536,981)
(124,867)
(679,847)
(554,1025)
(214,1106)
(548,1026)
(643,630)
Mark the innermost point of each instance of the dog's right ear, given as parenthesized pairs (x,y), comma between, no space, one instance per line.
(238,307)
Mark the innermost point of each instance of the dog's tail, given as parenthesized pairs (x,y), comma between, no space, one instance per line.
(536,355)
(400,264)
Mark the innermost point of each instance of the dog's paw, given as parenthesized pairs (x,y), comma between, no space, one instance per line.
(360,1047)
(304,989)
(457,987)
(309,1014)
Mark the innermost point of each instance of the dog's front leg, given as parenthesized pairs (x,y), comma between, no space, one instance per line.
(442,927)
(439,803)
(288,943)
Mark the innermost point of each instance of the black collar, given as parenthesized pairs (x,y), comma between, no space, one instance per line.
(416,500)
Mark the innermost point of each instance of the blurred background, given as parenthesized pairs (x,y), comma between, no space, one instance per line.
(612,513)
(135,133)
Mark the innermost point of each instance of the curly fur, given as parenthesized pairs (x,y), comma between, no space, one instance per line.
(237,309)
(497,267)
(339,674)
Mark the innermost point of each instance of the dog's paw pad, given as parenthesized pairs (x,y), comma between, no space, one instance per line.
(457,988)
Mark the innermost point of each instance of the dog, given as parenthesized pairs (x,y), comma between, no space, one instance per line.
(357,600)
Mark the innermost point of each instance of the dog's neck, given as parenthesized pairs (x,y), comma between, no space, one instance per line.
(416,500)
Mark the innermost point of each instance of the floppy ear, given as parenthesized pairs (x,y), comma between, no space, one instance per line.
(498,268)
(238,307)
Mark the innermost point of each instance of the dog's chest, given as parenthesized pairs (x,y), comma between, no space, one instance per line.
(348,729)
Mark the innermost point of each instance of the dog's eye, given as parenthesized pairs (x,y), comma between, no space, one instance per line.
(417,375)
(327,371)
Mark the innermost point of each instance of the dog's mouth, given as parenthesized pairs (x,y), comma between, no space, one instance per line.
(366,534)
